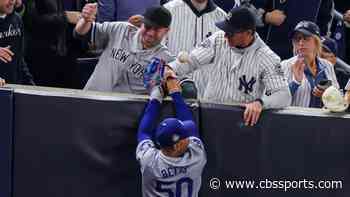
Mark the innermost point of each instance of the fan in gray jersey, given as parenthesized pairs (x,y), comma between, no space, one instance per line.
(246,70)
(176,168)
(127,49)
(188,32)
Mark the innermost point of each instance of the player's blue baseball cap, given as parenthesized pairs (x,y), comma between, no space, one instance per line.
(171,130)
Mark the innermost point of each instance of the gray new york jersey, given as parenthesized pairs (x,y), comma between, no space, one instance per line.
(238,75)
(166,176)
(123,61)
(188,29)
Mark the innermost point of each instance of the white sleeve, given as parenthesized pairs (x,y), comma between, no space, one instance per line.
(347,87)
(203,54)
(145,152)
(272,72)
(197,150)
(332,76)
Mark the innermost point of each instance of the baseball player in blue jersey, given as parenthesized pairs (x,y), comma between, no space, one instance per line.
(176,168)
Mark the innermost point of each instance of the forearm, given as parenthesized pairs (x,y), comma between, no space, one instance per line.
(182,111)
(83,27)
(281,98)
(148,120)
(347,96)
(184,66)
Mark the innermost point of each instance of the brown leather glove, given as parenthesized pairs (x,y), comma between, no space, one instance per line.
(173,85)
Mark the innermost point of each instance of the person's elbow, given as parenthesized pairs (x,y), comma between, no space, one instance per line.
(286,98)
(279,99)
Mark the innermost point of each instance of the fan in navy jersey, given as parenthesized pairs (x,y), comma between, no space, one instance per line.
(12,66)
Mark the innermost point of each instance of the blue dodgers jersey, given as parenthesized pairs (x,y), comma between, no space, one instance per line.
(168,176)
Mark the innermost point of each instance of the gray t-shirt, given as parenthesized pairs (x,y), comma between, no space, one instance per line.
(167,176)
(122,64)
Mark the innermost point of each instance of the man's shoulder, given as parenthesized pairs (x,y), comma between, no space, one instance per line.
(164,53)
(325,62)
(264,53)
(14,18)
(220,11)
(218,36)
(174,4)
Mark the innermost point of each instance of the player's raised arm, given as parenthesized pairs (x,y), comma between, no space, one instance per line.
(146,127)
(152,81)
(183,113)
(148,120)
(88,16)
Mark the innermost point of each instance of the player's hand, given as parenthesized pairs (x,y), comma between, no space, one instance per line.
(275,17)
(169,72)
(136,20)
(2,82)
(6,54)
(317,92)
(347,16)
(252,113)
(347,96)
(298,69)
(89,12)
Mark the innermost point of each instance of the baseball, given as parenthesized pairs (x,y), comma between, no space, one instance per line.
(183,57)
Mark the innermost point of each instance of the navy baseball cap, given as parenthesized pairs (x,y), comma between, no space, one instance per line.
(307,28)
(171,130)
(238,19)
(157,16)
(330,45)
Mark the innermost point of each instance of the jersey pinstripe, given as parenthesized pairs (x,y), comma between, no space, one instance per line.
(238,75)
(188,30)
(165,176)
(347,87)
(302,96)
(122,63)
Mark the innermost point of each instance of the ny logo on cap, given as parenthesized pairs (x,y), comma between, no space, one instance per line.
(303,24)
(229,16)
(175,138)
